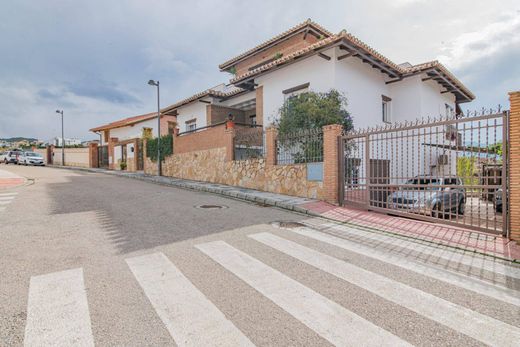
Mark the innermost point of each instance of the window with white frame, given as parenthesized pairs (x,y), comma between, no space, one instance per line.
(191,125)
(386,108)
(252,119)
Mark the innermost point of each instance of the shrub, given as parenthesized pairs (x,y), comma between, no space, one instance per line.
(166,147)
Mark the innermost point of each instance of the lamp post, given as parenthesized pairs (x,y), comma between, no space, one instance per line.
(159,168)
(62,139)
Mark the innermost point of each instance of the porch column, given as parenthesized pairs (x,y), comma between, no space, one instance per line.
(331,134)
(514,165)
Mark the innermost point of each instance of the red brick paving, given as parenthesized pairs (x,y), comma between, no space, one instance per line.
(10,182)
(444,234)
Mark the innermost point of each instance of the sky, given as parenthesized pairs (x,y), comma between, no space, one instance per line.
(93,58)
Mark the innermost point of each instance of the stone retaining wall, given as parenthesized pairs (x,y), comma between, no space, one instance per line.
(211,166)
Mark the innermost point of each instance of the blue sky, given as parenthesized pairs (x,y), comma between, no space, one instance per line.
(93,58)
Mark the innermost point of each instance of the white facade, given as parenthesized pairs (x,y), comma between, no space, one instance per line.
(135,130)
(194,110)
(57,141)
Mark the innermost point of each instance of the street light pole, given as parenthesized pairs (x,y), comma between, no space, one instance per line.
(159,164)
(62,139)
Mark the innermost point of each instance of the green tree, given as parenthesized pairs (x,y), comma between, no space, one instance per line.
(312,110)
(301,120)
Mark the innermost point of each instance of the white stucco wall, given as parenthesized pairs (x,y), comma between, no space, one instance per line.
(131,132)
(314,70)
(196,110)
(363,86)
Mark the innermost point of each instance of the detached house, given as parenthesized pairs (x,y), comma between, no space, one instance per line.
(308,57)
(121,141)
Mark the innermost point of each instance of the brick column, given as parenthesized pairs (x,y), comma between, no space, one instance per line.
(331,133)
(259,94)
(111,159)
(270,145)
(230,143)
(514,165)
(93,155)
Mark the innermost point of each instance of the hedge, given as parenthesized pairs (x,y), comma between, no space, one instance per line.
(166,147)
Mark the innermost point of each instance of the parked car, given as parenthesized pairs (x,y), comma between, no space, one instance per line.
(30,158)
(2,156)
(429,195)
(12,157)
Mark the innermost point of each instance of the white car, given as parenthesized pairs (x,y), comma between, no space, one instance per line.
(30,158)
(2,156)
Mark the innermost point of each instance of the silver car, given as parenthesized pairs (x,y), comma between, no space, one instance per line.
(429,195)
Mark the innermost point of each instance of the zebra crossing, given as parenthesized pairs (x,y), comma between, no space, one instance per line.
(6,199)
(58,312)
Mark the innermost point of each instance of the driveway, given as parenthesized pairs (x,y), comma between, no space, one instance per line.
(92,259)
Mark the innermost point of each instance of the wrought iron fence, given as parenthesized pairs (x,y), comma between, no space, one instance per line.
(301,146)
(451,170)
(249,143)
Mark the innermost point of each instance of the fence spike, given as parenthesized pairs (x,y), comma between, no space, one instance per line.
(499,108)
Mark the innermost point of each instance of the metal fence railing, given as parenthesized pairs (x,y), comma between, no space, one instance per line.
(301,146)
(249,143)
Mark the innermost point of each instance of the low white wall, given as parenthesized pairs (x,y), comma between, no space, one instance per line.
(73,157)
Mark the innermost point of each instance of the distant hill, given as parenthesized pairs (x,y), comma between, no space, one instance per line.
(16,139)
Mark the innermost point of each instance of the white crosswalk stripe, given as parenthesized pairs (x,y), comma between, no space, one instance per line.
(6,199)
(189,316)
(473,284)
(478,326)
(425,250)
(57,311)
(330,320)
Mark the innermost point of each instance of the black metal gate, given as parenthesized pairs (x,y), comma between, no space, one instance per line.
(450,170)
(103,157)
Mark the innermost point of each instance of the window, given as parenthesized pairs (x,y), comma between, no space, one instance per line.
(252,119)
(191,125)
(449,110)
(147,133)
(295,91)
(386,108)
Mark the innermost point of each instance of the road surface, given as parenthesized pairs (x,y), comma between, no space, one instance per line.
(89,259)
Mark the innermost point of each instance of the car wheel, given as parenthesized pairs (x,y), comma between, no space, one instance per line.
(462,208)
(436,211)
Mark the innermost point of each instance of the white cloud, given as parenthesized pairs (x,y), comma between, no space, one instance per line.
(466,48)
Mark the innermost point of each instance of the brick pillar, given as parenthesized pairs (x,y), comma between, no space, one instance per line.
(111,159)
(93,155)
(331,133)
(270,145)
(514,165)
(230,143)
(259,93)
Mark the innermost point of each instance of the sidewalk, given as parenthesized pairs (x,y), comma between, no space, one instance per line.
(10,180)
(464,239)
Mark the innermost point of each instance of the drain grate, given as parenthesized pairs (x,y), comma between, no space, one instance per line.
(211,207)
(288,224)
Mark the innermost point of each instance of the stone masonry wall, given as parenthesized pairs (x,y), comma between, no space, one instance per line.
(211,166)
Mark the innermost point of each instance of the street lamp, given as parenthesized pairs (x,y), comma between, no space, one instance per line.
(159,168)
(62,139)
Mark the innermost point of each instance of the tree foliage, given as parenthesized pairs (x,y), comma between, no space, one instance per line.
(312,110)
(166,147)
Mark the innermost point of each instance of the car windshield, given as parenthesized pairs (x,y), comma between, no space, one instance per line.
(32,154)
(423,183)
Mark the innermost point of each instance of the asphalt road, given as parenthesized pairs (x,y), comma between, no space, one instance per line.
(90,259)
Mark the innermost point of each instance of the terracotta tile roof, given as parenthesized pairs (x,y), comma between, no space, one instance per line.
(279,37)
(203,94)
(350,40)
(441,68)
(125,122)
